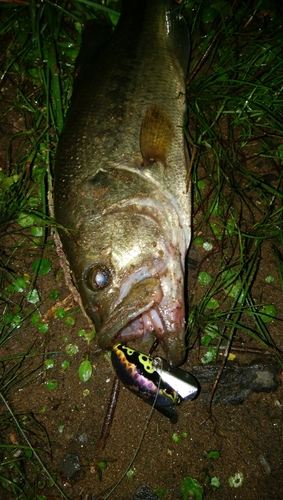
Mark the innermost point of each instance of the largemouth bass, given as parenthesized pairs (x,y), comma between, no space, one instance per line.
(121,190)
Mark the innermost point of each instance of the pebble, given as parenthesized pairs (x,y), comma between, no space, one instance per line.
(70,465)
(145,493)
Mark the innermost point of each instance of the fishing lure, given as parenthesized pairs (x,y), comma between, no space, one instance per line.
(154,380)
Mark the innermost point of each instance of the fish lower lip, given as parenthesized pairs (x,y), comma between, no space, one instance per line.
(136,325)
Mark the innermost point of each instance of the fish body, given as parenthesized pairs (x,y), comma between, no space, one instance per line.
(120,185)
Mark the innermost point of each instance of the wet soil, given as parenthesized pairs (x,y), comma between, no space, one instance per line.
(248,436)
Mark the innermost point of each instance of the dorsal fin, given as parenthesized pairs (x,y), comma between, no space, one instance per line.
(157,133)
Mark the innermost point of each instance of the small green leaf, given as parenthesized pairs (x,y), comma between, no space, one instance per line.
(213,454)
(28,453)
(209,356)
(70,321)
(36,231)
(85,371)
(131,473)
(87,335)
(51,384)
(102,464)
(33,296)
(19,285)
(236,291)
(161,493)
(10,288)
(78,26)
(201,185)
(7,182)
(215,482)
(212,331)
(204,278)
(176,438)
(35,319)
(65,365)
(43,327)
(207,246)
(208,15)
(198,241)
(16,320)
(268,313)
(81,333)
(33,201)
(212,304)
(71,349)
(217,230)
(190,487)
(54,295)
(25,220)
(206,340)
(60,428)
(41,266)
(60,313)
(49,363)
(269,279)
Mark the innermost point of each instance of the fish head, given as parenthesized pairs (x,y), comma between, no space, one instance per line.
(128,266)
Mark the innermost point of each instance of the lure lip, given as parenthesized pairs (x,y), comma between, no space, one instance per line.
(182,382)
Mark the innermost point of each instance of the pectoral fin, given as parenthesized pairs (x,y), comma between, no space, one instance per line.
(157,133)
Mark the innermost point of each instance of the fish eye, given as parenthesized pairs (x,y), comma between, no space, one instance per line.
(97,277)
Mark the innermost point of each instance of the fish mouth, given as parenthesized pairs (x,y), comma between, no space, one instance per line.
(146,322)
(143,296)
(146,313)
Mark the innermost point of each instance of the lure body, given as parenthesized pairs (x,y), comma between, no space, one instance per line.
(153,379)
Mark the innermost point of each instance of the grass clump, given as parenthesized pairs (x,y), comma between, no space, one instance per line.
(235,134)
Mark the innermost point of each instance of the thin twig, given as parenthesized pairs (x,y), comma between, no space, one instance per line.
(109,416)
